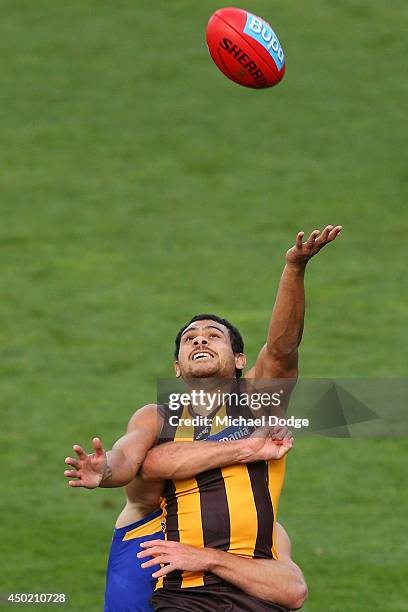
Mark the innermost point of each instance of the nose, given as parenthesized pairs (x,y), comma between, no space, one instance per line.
(200,340)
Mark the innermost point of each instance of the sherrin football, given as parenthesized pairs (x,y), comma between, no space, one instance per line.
(245,48)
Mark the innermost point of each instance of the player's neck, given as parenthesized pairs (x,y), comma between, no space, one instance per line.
(207,394)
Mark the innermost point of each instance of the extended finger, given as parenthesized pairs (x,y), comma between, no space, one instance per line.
(299,239)
(164,571)
(71,473)
(155,561)
(310,241)
(71,461)
(97,444)
(145,553)
(334,232)
(150,543)
(75,483)
(80,451)
(153,551)
(325,233)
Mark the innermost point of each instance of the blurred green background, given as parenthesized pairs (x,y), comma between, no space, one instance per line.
(138,187)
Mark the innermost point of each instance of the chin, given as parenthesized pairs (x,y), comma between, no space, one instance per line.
(205,370)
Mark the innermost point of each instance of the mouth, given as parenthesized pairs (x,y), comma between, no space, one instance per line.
(202,355)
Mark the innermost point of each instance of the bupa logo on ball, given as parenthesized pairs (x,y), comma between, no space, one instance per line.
(262,32)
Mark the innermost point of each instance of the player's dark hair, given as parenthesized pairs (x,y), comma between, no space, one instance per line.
(237,342)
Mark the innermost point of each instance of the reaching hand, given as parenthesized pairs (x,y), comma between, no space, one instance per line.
(89,469)
(301,252)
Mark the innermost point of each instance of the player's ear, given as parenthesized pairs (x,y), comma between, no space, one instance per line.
(240,361)
(177,369)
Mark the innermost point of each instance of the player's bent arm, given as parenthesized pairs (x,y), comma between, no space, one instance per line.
(178,460)
(120,465)
(128,453)
(280,581)
(185,459)
(276,581)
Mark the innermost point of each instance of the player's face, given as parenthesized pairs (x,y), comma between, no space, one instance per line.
(206,351)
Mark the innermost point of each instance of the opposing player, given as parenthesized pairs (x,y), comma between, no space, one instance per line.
(221,348)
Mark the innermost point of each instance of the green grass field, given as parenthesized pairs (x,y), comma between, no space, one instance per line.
(139,187)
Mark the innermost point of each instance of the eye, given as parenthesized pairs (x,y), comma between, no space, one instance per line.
(214,336)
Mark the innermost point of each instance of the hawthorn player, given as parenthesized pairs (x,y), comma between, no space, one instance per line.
(176,462)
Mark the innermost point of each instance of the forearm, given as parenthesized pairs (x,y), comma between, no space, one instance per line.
(278,357)
(119,470)
(186,459)
(277,581)
(286,326)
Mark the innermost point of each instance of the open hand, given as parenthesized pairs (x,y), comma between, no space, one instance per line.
(88,469)
(301,252)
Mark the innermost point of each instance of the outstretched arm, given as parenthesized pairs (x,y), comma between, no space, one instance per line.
(120,465)
(280,581)
(278,358)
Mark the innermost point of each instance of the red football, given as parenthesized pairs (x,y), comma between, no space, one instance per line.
(245,48)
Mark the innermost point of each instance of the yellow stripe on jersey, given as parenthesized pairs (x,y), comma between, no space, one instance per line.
(242,515)
(184,433)
(189,525)
(215,425)
(145,529)
(189,513)
(276,474)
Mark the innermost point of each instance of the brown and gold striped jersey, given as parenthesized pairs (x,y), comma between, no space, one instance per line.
(232,508)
